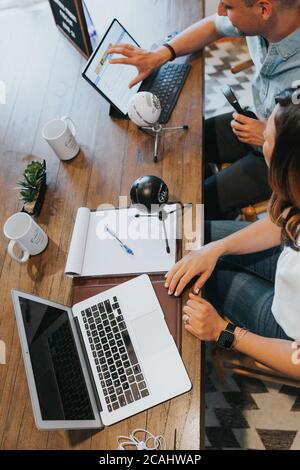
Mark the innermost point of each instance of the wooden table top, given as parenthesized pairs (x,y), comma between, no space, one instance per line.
(42,73)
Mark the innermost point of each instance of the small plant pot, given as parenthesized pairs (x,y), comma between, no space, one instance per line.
(34,207)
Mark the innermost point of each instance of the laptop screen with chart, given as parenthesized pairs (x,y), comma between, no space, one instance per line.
(112,80)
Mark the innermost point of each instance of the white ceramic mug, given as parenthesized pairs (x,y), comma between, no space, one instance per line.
(60,135)
(23,231)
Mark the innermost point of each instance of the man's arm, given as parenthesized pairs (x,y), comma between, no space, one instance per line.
(190,40)
(196,37)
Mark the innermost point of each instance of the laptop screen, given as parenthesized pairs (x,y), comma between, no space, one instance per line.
(59,380)
(112,80)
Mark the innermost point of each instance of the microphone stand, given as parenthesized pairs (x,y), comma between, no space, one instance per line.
(156,131)
(162,216)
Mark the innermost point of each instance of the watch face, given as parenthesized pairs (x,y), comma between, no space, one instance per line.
(226,339)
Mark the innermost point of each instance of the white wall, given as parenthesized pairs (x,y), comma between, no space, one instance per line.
(210,6)
(17,3)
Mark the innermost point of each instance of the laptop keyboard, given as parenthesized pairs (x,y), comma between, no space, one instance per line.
(119,371)
(167,84)
(72,387)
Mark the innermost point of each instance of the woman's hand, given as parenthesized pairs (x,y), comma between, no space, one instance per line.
(249,131)
(204,322)
(201,262)
(145,61)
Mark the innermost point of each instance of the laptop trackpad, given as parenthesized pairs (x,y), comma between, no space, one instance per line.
(152,333)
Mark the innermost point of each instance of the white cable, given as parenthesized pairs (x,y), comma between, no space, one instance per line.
(158,442)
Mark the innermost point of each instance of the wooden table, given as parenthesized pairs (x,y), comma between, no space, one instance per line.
(42,75)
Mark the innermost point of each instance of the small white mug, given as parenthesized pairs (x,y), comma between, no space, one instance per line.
(23,231)
(60,135)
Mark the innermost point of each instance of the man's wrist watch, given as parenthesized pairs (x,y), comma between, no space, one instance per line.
(226,338)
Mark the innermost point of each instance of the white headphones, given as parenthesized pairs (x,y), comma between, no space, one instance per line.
(150,441)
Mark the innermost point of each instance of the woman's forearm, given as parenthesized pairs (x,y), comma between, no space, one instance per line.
(258,236)
(278,354)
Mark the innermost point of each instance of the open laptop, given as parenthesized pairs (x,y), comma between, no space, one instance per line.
(101,361)
(112,80)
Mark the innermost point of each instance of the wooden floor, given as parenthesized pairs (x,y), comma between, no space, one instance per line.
(42,75)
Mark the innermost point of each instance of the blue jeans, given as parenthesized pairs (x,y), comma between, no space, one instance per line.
(242,287)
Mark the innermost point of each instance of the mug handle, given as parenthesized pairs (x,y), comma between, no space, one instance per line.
(10,250)
(70,123)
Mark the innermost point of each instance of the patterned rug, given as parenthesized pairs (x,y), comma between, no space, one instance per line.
(219,59)
(250,414)
(244,413)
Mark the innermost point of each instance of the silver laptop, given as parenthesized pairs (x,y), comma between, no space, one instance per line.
(107,358)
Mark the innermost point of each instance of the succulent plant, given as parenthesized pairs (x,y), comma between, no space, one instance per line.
(33,178)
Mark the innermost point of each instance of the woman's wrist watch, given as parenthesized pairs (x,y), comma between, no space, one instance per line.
(226,338)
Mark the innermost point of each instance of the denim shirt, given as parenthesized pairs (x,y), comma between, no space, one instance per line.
(277,65)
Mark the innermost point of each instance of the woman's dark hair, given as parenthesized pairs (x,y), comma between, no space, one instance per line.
(285,167)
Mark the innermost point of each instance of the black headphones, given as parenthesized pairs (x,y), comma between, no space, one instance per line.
(149,191)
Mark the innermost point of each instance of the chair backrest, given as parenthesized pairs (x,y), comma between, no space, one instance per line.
(242,66)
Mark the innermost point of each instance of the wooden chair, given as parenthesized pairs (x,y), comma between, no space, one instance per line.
(242,66)
(251,213)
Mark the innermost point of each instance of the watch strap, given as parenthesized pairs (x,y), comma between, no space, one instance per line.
(230,327)
(172,50)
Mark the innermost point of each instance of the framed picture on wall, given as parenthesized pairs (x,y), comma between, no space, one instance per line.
(70,19)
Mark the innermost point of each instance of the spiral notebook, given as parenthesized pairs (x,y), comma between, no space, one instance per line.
(94,252)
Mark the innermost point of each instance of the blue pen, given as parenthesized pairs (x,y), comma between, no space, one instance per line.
(113,234)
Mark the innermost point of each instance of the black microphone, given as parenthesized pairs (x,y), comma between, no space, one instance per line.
(148,192)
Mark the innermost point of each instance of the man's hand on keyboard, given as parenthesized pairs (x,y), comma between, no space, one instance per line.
(145,61)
